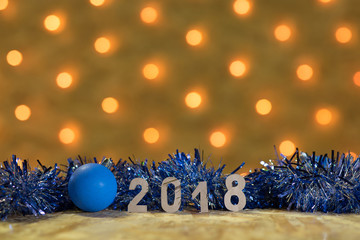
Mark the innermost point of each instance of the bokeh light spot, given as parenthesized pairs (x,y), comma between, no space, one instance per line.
(263,107)
(282,33)
(287,147)
(323,116)
(110,105)
(356,79)
(241,7)
(193,100)
(352,154)
(148,15)
(217,139)
(194,37)
(97,3)
(102,45)
(64,80)
(151,135)
(52,23)
(22,112)
(67,135)
(151,71)
(304,72)
(343,35)
(237,68)
(3,4)
(14,58)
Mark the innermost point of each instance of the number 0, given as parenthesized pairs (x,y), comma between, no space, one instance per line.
(164,195)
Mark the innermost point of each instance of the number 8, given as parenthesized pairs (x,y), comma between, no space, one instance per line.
(235,191)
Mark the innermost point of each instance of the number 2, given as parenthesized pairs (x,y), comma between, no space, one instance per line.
(133,207)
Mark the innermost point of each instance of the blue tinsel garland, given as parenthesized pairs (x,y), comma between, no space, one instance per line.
(304,182)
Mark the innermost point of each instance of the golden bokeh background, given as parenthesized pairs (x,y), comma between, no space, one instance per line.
(121,78)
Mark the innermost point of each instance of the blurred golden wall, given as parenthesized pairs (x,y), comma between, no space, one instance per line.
(89,77)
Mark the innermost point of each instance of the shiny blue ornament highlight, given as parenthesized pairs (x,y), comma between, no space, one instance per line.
(92,187)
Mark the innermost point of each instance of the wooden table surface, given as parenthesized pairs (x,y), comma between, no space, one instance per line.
(248,224)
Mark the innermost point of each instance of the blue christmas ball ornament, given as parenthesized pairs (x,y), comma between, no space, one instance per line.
(92,187)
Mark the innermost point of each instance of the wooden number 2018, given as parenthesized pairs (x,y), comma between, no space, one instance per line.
(201,190)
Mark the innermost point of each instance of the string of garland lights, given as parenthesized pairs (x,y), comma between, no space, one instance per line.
(303,182)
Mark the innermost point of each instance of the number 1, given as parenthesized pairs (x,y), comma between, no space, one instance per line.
(202,190)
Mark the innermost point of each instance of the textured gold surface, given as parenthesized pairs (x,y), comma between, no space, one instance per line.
(249,224)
